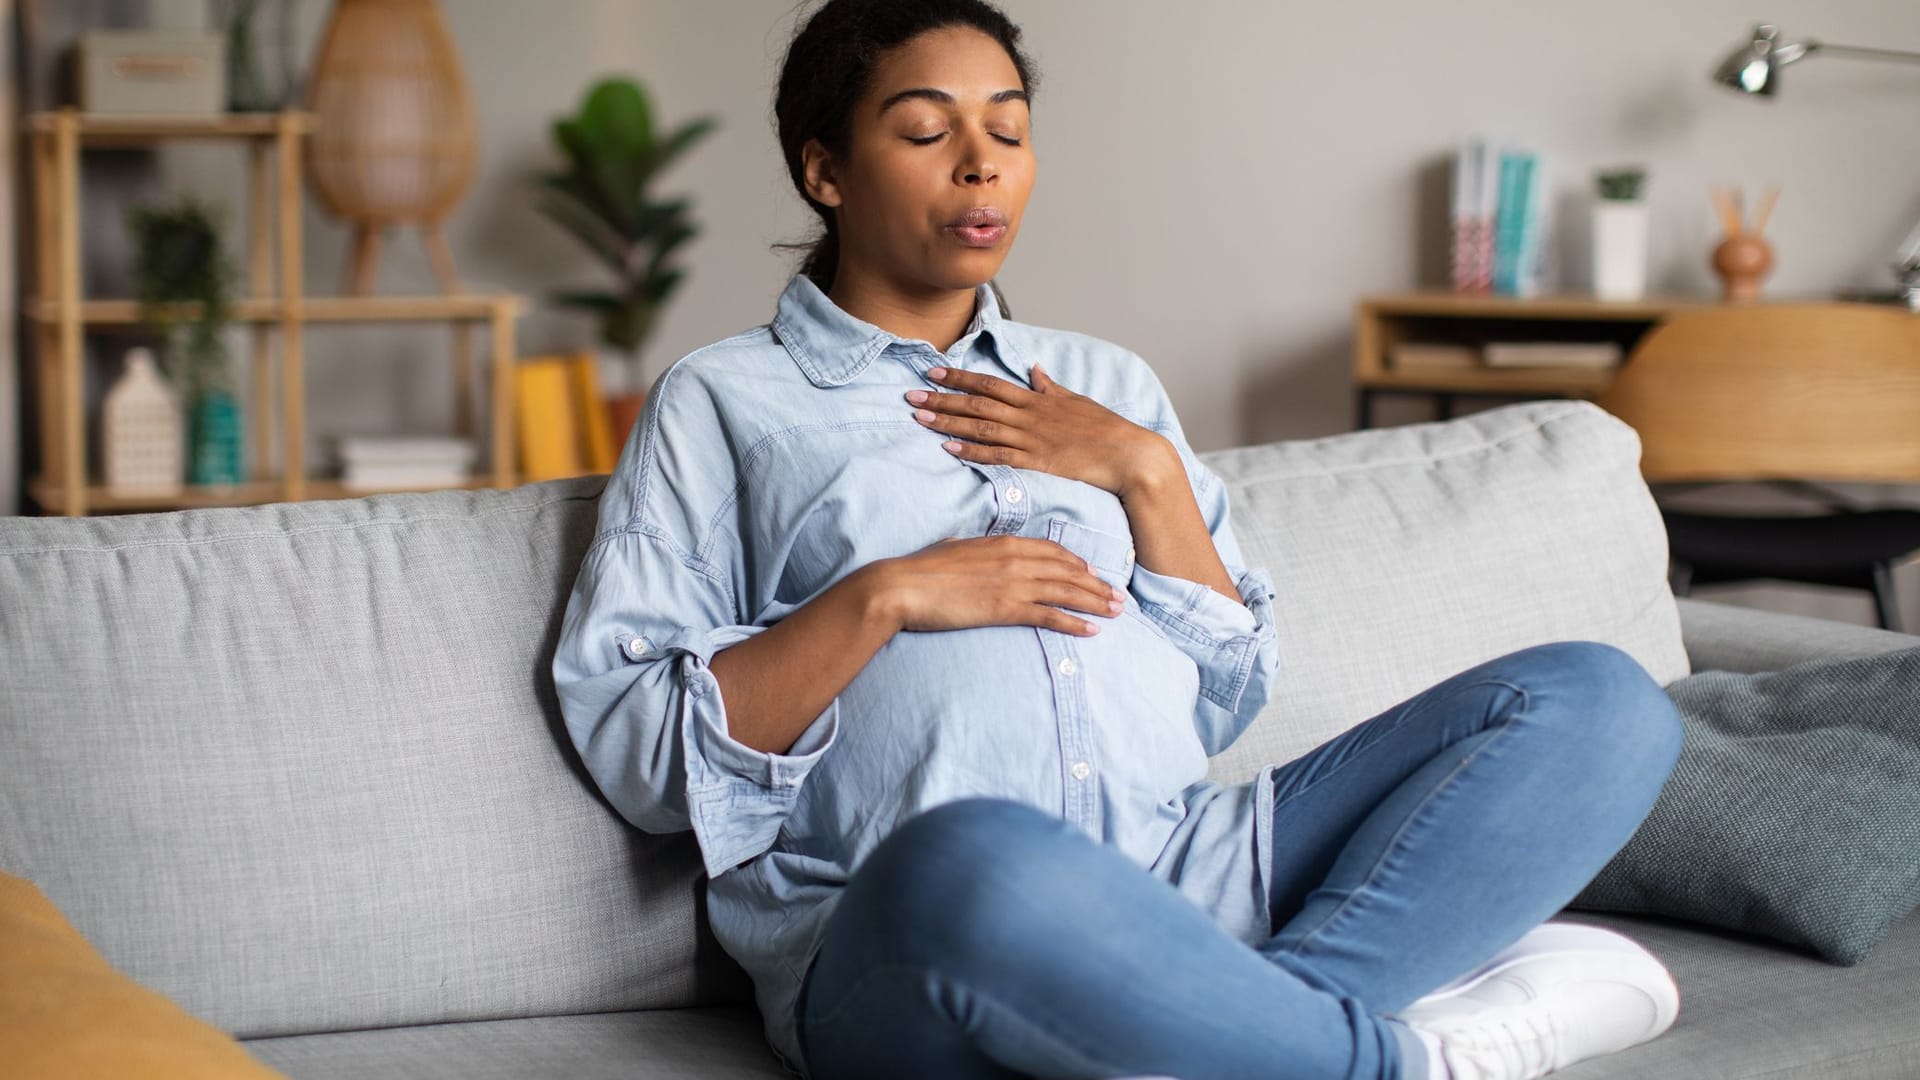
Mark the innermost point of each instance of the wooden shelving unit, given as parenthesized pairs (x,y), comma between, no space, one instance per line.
(1381,322)
(59,316)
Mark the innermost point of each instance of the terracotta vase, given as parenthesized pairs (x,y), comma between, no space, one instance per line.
(623,411)
(1743,262)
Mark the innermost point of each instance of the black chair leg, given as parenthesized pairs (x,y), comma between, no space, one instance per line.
(1680,577)
(1885,600)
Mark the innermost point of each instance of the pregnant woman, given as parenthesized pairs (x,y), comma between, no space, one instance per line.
(925,622)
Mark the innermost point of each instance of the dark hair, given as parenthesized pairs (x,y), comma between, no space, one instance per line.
(829,66)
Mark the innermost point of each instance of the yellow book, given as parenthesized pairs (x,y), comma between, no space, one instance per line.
(549,438)
(597,448)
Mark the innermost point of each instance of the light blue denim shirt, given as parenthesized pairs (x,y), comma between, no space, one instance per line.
(768,466)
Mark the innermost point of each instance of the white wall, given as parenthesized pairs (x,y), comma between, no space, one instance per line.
(1219,180)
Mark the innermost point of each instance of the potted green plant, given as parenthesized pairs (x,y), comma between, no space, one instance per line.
(1620,234)
(613,153)
(185,285)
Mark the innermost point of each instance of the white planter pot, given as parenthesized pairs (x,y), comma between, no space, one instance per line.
(1619,249)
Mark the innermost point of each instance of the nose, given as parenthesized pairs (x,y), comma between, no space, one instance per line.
(976,165)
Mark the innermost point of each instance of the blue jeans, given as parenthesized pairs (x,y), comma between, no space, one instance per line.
(986,938)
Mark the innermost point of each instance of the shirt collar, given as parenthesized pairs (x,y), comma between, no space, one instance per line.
(833,348)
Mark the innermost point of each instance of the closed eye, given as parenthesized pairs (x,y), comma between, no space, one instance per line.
(928,140)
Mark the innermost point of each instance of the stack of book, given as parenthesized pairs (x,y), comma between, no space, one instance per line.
(387,462)
(1501,208)
(1438,357)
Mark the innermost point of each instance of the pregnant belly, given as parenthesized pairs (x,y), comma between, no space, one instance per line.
(938,716)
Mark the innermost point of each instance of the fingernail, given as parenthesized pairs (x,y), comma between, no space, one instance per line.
(937,373)
(1115,605)
(1118,593)
(917,396)
(1092,628)
(923,416)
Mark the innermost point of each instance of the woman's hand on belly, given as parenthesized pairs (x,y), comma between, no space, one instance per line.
(994,581)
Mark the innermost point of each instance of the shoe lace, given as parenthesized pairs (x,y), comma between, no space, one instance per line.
(1519,1045)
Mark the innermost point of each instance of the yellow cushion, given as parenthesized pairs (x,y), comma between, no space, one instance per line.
(65,1012)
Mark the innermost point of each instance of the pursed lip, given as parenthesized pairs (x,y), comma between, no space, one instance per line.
(978,217)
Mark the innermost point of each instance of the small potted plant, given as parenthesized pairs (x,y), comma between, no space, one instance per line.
(178,259)
(604,197)
(1620,234)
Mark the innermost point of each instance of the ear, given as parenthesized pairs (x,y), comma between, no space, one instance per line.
(816,167)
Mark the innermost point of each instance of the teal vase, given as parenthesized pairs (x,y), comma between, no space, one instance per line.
(214,456)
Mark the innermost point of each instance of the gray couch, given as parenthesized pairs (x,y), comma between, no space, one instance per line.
(300,768)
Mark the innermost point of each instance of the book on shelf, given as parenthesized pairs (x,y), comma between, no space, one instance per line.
(1419,356)
(1575,354)
(1501,219)
(563,426)
(376,462)
(1475,197)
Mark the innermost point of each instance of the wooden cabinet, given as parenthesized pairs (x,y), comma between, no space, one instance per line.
(274,305)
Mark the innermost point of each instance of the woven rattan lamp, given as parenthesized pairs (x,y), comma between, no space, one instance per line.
(394,140)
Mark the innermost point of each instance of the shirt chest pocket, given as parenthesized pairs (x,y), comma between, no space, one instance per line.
(1111,555)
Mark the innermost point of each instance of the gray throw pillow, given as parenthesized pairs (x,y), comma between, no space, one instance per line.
(1794,811)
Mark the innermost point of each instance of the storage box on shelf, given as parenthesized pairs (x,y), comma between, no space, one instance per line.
(59,316)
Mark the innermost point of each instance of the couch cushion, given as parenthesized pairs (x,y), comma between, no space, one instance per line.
(1752,1008)
(1794,811)
(671,1044)
(1404,555)
(64,1012)
(299,766)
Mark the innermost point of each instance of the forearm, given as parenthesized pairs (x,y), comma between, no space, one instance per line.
(778,681)
(1169,533)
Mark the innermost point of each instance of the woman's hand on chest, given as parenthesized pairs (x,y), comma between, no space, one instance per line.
(1048,429)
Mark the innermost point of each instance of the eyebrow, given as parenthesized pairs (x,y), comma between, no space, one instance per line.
(928,93)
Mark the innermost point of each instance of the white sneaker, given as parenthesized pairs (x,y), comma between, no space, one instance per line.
(1561,994)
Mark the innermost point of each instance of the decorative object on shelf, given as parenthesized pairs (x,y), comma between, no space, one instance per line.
(1744,259)
(140,430)
(603,197)
(1620,234)
(152,72)
(395,140)
(259,81)
(178,260)
(1753,68)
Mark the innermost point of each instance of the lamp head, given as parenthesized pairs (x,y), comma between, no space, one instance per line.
(1753,67)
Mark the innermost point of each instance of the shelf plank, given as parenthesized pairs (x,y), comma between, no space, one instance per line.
(314,309)
(93,127)
(1442,304)
(1573,382)
(248,493)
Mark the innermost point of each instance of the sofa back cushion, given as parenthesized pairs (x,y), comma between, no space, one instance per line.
(299,767)
(1401,556)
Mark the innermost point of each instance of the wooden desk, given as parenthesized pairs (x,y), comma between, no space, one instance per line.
(1381,322)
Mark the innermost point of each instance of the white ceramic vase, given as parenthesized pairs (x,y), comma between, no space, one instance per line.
(1620,249)
(144,436)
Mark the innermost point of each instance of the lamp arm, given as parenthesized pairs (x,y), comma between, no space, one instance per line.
(1810,47)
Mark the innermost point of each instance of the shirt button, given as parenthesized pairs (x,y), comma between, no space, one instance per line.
(637,647)
(1129,561)
(1014,495)
(1068,667)
(1081,770)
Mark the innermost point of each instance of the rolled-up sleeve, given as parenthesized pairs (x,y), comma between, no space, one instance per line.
(1236,646)
(646,714)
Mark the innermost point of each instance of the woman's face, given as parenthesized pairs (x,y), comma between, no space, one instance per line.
(939,165)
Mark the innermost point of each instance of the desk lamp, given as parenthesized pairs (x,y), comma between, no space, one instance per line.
(1753,67)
